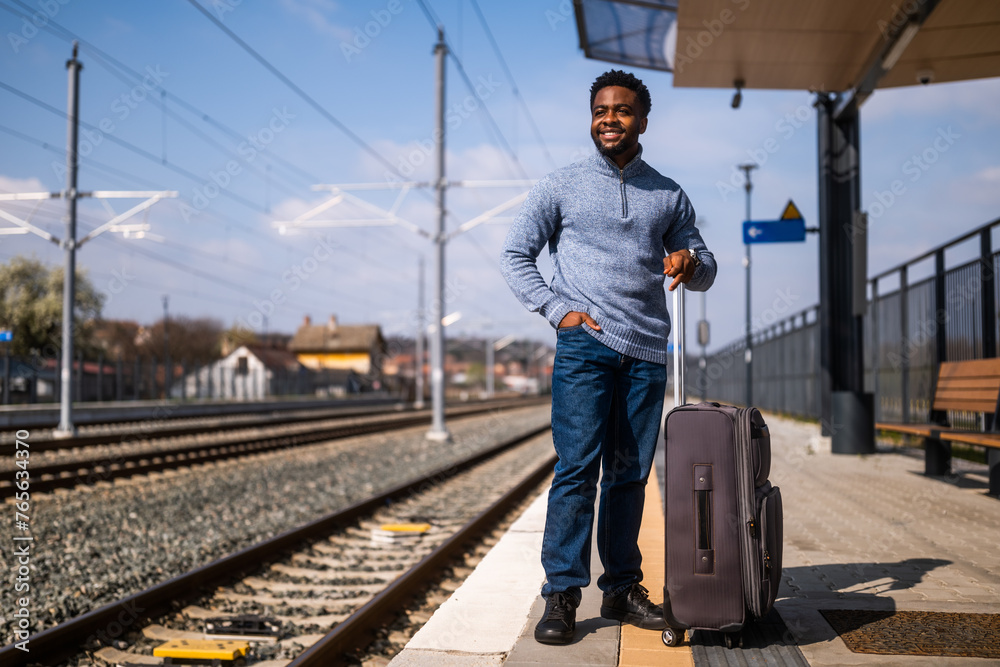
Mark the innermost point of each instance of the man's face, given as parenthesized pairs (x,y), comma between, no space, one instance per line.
(616,121)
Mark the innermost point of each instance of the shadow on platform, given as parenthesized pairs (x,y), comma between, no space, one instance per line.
(869,586)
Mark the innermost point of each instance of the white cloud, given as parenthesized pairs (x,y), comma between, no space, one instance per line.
(980,97)
(316,13)
(989,175)
(8,184)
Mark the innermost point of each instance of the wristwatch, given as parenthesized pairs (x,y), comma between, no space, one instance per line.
(695,258)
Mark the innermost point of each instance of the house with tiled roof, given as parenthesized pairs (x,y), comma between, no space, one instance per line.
(356,347)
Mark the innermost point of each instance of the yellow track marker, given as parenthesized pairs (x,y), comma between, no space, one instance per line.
(406,527)
(203,649)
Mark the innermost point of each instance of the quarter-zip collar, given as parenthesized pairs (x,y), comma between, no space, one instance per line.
(631,169)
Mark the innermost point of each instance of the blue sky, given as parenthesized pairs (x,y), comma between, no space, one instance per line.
(228,260)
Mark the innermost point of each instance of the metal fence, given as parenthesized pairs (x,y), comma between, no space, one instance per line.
(37,380)
(910,327)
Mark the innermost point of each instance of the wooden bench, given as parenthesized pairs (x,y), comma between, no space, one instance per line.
(972,386)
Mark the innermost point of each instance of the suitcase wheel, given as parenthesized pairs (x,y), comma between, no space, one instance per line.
(672,637)
(734,639)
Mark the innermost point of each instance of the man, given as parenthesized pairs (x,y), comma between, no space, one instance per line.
(609,222)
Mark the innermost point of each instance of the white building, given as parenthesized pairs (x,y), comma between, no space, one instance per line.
(250,372)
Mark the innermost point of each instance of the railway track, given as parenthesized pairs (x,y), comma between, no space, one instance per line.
(332,571)
(164,425)
(163,450)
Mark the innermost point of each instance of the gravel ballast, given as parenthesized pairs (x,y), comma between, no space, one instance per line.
(93,545)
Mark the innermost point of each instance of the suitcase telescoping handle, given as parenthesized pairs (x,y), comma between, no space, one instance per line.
(678,331)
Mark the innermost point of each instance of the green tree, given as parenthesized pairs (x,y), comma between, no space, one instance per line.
(31,306)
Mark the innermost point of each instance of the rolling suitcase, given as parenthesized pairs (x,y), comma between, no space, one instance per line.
(723,518)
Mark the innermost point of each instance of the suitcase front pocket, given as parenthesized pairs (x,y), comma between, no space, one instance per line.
(771,536)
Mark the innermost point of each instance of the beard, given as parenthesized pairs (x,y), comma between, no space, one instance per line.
(612,150)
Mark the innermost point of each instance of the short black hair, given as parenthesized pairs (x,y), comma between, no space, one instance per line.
(617,77)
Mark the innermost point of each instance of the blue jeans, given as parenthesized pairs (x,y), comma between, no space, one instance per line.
(606,408)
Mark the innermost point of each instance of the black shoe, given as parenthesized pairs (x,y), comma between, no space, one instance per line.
(633,606)
(558,622)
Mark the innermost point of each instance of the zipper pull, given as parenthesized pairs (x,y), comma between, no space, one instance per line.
(767,561)
(753,528)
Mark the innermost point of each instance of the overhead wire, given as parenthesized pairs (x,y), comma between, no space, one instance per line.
(89,161)
(498,133)
(187,250)
(131,147)
(308,98)
(149,156)
(510,77)
(295,88)
(288,82)
(62,153)
(110,61)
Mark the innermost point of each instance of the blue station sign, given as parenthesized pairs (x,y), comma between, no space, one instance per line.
(790,228)
(6,336)
(774,231)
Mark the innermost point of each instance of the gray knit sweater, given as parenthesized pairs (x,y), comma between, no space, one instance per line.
(608,230)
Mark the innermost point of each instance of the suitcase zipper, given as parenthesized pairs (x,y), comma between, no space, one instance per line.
(752,576)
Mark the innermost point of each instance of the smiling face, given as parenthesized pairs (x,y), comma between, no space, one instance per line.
(617,119)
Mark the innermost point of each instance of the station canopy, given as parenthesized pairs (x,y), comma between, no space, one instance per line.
(818,45)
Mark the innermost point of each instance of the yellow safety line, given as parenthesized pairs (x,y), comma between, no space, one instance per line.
(642,648)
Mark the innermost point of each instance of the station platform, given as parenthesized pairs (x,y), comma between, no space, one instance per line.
(869,543)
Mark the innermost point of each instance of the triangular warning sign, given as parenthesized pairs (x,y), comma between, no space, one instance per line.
(791,212)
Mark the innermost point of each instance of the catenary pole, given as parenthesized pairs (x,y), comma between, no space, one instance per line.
(421,326)
(66,428)
(168,375)
(438,429)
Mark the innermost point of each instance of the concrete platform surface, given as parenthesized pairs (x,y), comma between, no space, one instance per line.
(861,532)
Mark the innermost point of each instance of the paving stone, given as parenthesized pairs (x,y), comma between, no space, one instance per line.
(872,532)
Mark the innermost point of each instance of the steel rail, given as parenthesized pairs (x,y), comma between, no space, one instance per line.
(32,415)
(63,641)
(142,430)
(112,466)
(358,630)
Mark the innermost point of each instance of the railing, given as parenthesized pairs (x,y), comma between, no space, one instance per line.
(919,313)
